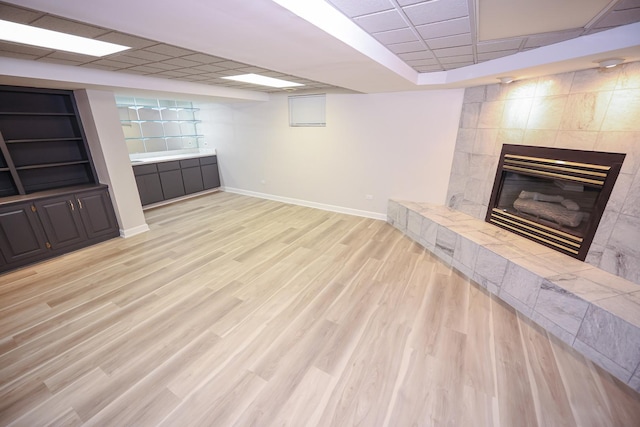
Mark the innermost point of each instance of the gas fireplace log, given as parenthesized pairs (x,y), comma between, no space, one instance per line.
(550,211)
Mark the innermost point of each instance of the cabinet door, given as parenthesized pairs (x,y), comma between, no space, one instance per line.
(192,178)
(210,176)
(61,221)
(97,214)
(149,188)
(172,184)
(21,235)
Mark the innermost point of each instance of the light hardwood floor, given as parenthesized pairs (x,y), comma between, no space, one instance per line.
(240,311)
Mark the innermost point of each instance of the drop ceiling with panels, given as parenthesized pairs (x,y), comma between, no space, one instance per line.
(147,57)
(202,42)
(438,35)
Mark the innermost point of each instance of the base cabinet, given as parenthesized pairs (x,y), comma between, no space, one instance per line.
(44,227)
(168,180)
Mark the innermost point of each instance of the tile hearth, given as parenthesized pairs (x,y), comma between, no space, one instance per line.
(594,311)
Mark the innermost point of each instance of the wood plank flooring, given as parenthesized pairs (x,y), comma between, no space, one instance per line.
(241,311)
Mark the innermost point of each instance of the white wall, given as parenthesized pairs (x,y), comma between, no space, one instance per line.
(102,127)
(393,145)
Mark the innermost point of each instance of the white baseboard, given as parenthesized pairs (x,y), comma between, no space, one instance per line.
(134,230)
(322,206)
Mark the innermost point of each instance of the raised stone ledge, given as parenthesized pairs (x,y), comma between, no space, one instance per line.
(594,311)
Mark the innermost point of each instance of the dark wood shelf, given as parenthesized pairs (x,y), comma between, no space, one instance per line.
(22,113)
(51,165)
(18,141)
(5,170)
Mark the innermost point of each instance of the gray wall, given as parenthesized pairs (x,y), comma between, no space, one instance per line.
(585,110)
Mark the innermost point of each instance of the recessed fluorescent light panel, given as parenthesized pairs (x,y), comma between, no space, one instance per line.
(25,34)
(257,79)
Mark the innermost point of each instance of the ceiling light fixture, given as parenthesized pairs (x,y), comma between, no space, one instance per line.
(610,63)
(25,34)
(257,79)
(506,80)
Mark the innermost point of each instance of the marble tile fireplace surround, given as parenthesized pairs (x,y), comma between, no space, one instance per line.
(592,305)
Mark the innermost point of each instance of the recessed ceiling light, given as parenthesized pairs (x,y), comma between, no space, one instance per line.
(610,63)
(506,80)
(25,34)
(257,79)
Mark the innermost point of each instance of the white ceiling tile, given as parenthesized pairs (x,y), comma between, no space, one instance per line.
(421,62)
(129,59)
(453,51)
(256,70)
(436,11)
(208,68)
(623,17)
(172,73)
(410,2)
(163,66)
(202,58)
(353,8)
(406,47)
(70,27)
(395,36)
(126,40)
(230,65)
(181,62)
(19,15)
(451,41)
(551,38)
(59,61)
(150,56)
(627,4)
(165,49)
(456,59)
(425,54)
(75,57)
(493,55)
(383,21)
(445,28)
(144,69)
(494,46)
(111,63)
(98,67)
(25,50)
(132,71)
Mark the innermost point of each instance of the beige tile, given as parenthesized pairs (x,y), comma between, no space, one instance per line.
(522,89)
(625,306)
(595,80)
(558,84)
(622,142)
(491,114)
(629,76)
(576,140)
(585,111)
(624,111)
(469,115)
(485,141)
(516,113)
(540,138)
(546,112)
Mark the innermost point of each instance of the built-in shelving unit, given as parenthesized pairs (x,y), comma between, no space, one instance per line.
(50,199)
(42,146)
(152,125)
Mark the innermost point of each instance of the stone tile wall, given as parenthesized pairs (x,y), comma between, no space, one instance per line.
(585,110)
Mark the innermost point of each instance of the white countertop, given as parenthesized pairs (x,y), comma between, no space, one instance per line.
(142,158)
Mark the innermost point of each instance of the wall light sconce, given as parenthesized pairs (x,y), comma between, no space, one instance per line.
(610,63)
(506,80)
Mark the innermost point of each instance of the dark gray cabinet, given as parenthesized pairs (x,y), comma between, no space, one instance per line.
(61,221)
(53,224)
(21,235)
(168,180)
(210,174)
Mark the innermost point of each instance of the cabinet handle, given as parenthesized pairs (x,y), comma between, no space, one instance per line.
(79,203)
(48,245)
(33,208)
(71,204)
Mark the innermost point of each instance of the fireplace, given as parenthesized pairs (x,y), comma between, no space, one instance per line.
(553,196)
